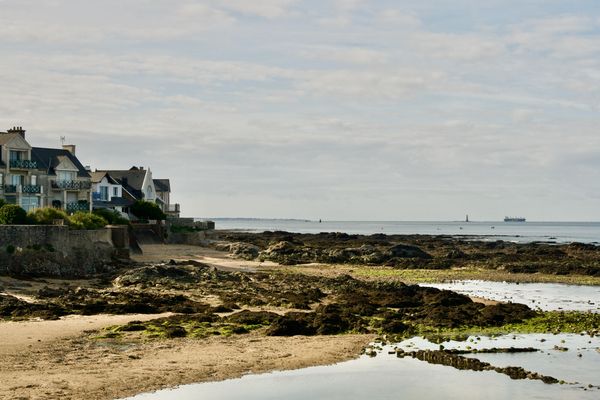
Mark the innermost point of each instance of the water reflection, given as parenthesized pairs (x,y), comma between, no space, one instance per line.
(388,377)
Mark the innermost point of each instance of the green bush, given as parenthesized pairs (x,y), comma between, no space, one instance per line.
(113,217)
(85,220)
(12,214)
(46,216)
(2,202)
(147,210)
(10,249)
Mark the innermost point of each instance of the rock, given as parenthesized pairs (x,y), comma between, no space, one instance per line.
(243,250)
(247,317)
(406,251)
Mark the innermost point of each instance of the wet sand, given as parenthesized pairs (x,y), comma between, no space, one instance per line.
(82,368)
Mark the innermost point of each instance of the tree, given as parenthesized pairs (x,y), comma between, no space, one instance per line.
(112,216)
(86,220)
(12,214)
(47,216)
(147,210)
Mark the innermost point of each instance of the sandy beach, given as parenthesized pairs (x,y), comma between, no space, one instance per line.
(60,359)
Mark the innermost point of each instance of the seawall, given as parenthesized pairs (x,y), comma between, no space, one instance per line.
(57,251)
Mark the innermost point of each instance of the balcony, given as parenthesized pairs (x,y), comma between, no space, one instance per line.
(173,208)
(31,189)
(23,164)
(79,206)
(10,188)
(71,185)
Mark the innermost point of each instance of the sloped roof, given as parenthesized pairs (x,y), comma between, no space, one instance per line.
(7,137)
(49,159)
(162,185)
(132,180)
(97,176)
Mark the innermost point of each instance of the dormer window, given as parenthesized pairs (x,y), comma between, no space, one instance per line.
(65,176)
(16,155)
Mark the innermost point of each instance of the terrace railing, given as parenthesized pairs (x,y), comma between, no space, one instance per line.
(173,208)
(79,206)
(71,185)
(31,189)
(10,188)
(23,164)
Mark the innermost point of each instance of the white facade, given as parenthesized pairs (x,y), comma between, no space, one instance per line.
(105,191)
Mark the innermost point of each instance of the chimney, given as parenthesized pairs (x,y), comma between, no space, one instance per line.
(17,129)
(70,148)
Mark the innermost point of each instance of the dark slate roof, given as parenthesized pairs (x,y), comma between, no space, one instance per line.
(162,185)
(131,180)
(48,159)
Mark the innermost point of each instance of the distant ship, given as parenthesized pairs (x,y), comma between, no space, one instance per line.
(514,219)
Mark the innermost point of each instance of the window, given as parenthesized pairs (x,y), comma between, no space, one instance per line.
(15,155)
(29,203)
(104,193)
(16,179)
(65,175)
(34,180)
(115,191)
(1,178)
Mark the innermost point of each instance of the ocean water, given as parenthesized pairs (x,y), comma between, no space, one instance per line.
(523,232)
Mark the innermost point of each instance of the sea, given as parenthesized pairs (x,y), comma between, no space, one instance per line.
(520,232)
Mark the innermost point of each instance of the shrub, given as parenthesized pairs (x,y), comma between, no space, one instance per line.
(46,216)
(147,210)
(113,217)
(10,249)
(12,214)
(84,220)
(2,202)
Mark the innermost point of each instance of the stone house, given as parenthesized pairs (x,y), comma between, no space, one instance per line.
(34,177)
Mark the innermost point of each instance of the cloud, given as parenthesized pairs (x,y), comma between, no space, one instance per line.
(345,55)
(287,108)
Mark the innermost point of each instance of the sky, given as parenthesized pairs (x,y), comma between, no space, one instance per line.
(332,109)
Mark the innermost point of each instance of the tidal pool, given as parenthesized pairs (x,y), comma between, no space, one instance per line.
(389,377)
(544,296)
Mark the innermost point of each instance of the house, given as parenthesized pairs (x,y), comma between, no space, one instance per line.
(67,182)
(107,192)
(163,191)
(136,183)
(34,177)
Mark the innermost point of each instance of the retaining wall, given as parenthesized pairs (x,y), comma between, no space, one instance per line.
(56,251)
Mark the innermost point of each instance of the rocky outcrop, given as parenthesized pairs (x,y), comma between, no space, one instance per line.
(417,251)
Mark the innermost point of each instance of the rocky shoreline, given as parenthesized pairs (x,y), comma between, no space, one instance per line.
(413,252)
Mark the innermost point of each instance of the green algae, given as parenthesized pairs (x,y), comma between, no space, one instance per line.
(554,322)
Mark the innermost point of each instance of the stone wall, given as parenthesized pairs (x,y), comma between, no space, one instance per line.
(55,251)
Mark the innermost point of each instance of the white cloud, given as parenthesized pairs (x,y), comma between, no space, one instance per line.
(349,55)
